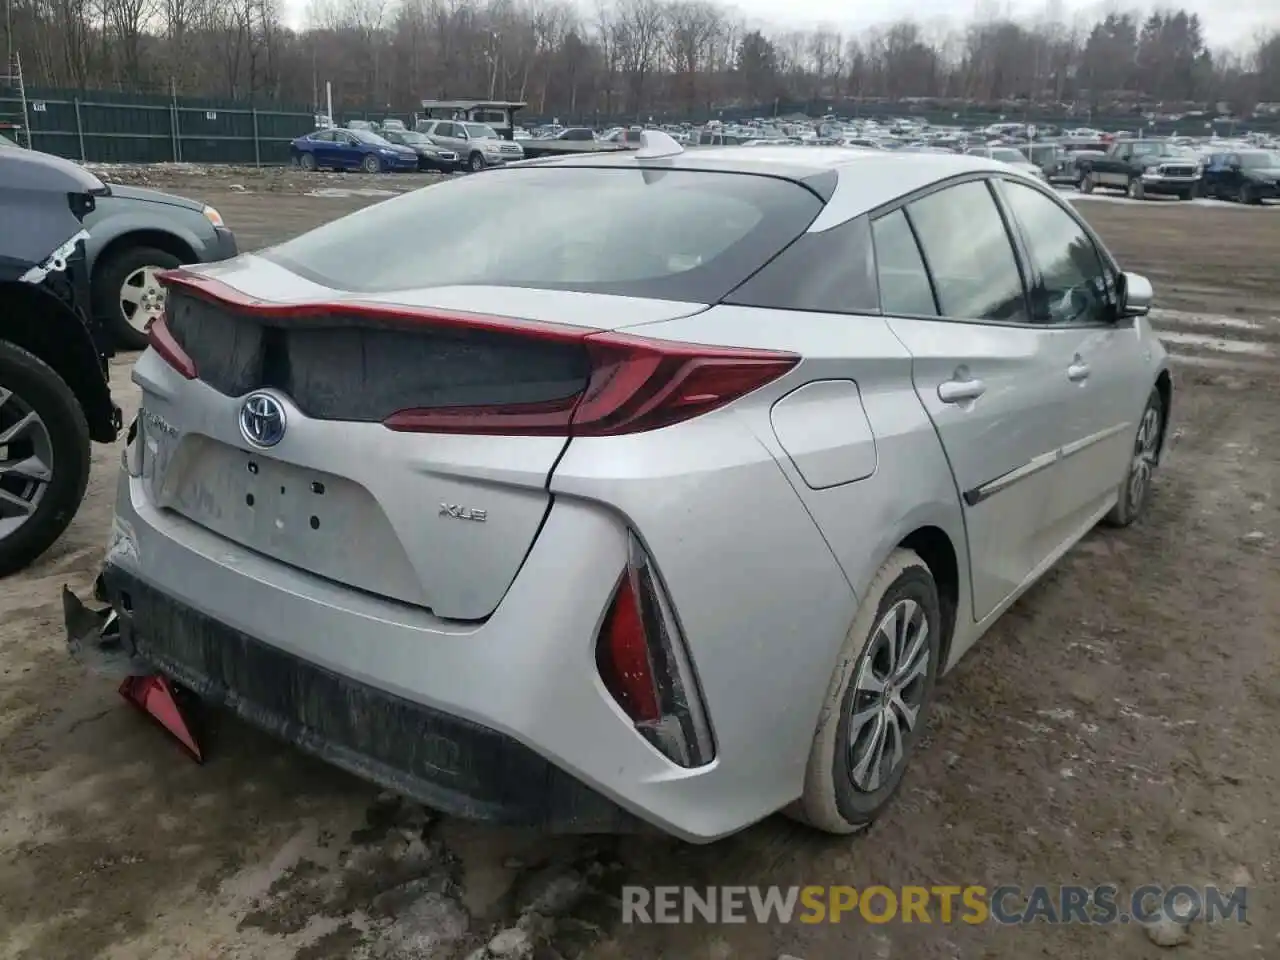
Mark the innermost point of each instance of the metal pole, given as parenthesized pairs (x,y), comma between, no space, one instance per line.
(173,122)
(257,151)
(80,131)
(328,99)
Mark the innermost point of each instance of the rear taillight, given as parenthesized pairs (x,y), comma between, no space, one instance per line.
(161,339)
(646,669)
(636,384)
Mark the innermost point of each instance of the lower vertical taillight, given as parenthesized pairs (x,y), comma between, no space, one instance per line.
(646,668)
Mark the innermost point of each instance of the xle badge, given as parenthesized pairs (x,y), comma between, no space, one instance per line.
(463,513)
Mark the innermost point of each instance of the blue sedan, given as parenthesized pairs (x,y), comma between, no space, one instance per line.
(350,150)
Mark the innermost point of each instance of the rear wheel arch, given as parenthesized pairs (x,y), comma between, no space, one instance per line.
(1164,386)
(934,547)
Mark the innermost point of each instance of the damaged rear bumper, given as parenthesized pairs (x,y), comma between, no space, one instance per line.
(446,762)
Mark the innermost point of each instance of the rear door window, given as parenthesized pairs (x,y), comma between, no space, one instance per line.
(666,234)
(904,283)
(970,254)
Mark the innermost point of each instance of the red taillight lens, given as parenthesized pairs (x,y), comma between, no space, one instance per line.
(622,657)
(163,342)
(644,665)
(636,384)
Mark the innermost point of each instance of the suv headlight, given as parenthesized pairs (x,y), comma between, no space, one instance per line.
(213,216)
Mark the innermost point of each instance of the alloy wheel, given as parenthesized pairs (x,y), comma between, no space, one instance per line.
(142,297)
(889,691)
(1144,456)
(26,462)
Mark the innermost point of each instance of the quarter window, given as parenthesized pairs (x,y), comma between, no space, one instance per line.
(969,254)
(1071,285)
(904,282)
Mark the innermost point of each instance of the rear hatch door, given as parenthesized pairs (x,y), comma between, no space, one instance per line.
(445,299)
(441,520)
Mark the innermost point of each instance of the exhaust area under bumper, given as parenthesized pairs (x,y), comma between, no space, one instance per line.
(166,652)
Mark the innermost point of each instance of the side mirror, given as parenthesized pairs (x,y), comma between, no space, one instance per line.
(1134,294)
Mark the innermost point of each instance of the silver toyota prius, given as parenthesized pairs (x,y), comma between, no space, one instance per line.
(670,516)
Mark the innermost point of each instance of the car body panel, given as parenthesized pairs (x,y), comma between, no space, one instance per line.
(375,521)
(823,427)
(133,210)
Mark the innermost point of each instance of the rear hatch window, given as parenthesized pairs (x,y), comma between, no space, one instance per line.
(668,234)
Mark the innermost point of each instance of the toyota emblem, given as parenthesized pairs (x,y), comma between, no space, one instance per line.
(262,420)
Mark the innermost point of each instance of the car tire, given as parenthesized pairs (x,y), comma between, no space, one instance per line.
(371,164)
(128,267)
(307,161)
(1086,183)
(1246,194)
(30,386)
(475,162)
(1135,488)
(833,801)
(1136,190)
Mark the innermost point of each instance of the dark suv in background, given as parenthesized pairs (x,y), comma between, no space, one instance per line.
(1247,176)
(54,392)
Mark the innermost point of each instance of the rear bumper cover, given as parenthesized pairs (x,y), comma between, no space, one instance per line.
(446,762)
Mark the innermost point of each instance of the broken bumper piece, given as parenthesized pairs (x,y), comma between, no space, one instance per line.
(448,763)
(100,640)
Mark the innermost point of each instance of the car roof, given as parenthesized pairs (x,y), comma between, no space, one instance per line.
(864,179)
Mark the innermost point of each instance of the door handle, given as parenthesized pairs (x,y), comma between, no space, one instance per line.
(959,391)
(1078,371)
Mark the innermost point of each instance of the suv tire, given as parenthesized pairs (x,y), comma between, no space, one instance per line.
(109,278)
(34,384)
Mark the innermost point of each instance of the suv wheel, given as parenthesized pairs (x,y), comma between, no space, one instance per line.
(44,457)
(126,293)
(1246,193)
(307,161)
(476,162)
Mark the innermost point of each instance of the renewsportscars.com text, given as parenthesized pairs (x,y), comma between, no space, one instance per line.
(1005,904)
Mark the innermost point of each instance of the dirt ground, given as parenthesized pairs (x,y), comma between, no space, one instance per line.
(1118,725)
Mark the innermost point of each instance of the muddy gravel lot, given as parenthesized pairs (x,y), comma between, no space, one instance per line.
(1118,725)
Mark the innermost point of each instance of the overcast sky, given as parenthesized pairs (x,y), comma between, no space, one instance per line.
(1227,23)
(1234,24)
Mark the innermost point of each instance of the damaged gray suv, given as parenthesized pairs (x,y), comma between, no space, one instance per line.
(54,394)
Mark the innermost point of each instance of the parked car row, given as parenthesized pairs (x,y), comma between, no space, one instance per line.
(441,146)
